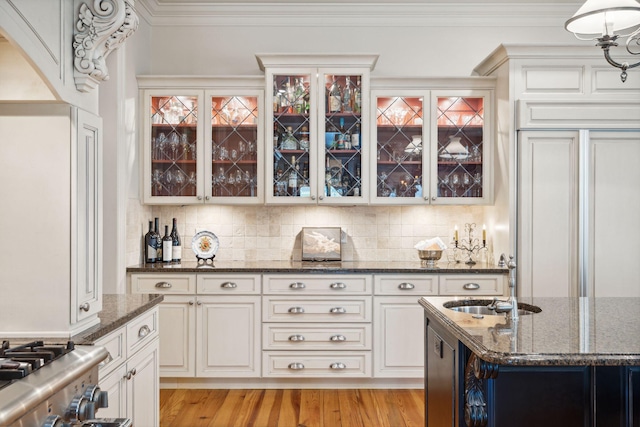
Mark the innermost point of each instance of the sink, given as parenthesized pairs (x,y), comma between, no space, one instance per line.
(479,307)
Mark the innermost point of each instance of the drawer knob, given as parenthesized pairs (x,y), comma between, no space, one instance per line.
(144,331)
(191,302)
(228,285)
(296,338)
(406,286)
(338,310)
(296,366)
(337,285)
(85,307)
(163,285)
(296,310)
(338,338)
(297,285)
(471,286)
(338,366)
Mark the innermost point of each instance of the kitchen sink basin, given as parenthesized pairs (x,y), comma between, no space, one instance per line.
(480,307)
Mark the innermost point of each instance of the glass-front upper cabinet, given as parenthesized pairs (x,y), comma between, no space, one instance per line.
(171,141)
(317,130)
(461,147)
(400,160)
(202,146)
(430,147)
(236,171)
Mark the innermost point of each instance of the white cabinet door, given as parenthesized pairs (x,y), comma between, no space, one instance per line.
(86,215)
(548,208)
(612,211)
(115,384)
(398,331)
(228,341)
(177,336)
(143,388)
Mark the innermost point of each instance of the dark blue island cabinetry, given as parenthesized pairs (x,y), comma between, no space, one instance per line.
(575,363)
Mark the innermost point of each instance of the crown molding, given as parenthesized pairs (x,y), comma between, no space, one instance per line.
(408,13)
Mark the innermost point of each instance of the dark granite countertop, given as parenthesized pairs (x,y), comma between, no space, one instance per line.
(117,310)
(334,267)
(568,332)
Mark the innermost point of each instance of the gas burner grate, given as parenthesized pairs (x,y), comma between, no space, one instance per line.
(20,361)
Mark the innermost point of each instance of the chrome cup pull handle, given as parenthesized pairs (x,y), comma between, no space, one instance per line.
(228,285)
(144,331)
(296,338)
(296,366)
(296,310)
(338,285)
(405,286)
(338,338)
(163,285)
(338,310)
(471,286)
(297,285)
(338,366)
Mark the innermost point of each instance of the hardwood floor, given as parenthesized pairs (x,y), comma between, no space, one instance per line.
(291,408)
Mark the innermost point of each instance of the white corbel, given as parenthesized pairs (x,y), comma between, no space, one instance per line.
(102,26)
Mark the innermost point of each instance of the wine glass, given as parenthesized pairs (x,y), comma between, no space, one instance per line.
(160,144)
(466,182)
(178,178)
(169,181)
(174,141)
(477,180)
(156,179)
(455,183)
(192,182)
(445,186)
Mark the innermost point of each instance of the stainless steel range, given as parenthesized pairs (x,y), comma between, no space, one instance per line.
(52,385)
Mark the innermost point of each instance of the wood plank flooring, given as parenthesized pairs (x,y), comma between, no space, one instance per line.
(291,408)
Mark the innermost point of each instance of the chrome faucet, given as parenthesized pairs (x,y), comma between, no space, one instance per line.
(510,306)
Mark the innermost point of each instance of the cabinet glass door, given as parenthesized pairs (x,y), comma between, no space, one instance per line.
(291,136)
(342,129)
(174,135)
(460,149)
(399,161)
(234,147)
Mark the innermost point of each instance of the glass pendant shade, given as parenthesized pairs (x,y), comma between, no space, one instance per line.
(600,17)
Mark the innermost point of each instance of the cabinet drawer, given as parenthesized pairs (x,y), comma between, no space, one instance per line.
(472,284)
(318,284)
(347,309)
(163,283)
(142,330)
(310,337)
(115,345)
(228,285)
(317,364)
(406,284)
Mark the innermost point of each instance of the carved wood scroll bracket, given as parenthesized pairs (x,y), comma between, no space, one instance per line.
(475,402)
(102,26)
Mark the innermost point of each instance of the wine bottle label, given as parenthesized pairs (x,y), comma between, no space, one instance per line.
(151,252)
(334,103)
(166,251)
(176,253)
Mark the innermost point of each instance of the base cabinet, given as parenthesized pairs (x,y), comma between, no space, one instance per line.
(130,373)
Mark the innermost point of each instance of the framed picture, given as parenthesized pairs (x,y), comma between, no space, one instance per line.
(321,244)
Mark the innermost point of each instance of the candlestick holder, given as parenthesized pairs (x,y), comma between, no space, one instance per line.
(469,246)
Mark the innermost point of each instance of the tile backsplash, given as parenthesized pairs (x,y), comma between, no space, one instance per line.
(370,233)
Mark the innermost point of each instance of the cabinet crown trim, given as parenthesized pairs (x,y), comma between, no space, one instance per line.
(266,60)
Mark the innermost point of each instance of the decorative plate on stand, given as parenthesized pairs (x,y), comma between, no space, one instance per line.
(205,244)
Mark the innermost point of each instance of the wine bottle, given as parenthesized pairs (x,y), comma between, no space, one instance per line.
(167,244)
(176,248)
(150,253)
(156,231)
(333,99)
(293,177)
(357,98)
(347,96)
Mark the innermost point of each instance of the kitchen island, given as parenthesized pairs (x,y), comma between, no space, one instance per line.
(575,363)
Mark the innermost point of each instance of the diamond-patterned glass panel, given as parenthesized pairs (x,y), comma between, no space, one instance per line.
(234,137)
(291,124)
(342,132)
(460,146)
(400,144)
(173,145)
